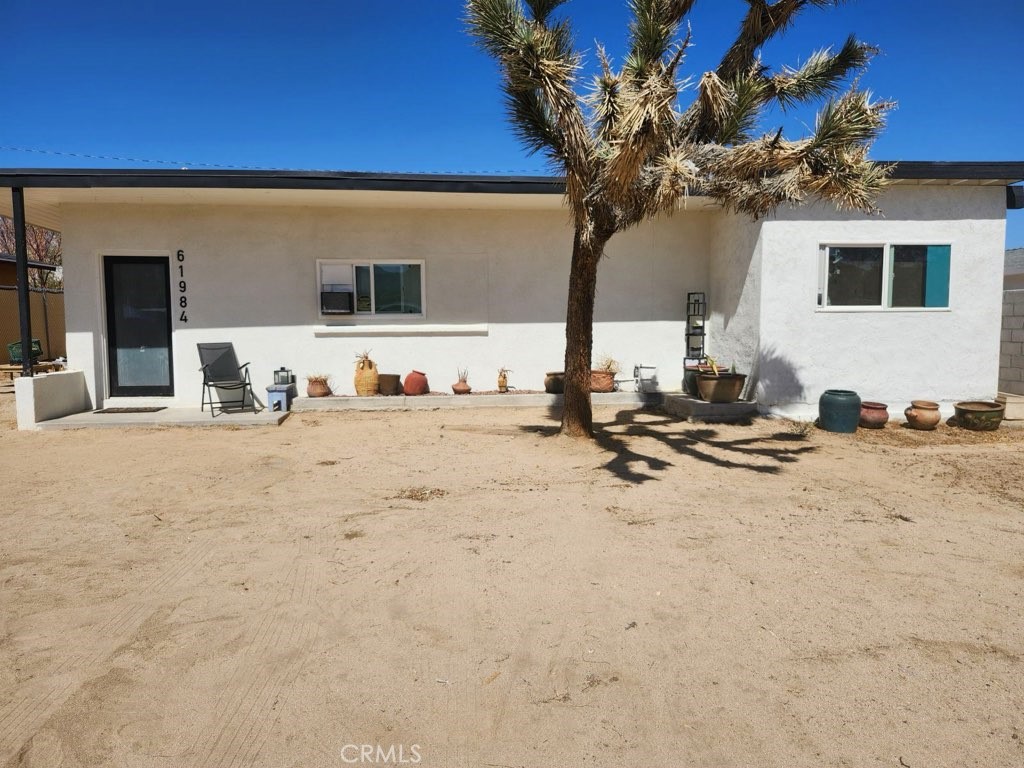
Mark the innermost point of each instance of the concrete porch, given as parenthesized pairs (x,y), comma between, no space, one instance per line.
(168,417)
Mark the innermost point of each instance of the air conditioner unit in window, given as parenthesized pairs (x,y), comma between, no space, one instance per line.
(336,302)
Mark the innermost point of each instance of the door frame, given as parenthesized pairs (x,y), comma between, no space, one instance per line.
(113,389)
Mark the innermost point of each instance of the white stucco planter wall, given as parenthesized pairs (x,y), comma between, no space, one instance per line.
(496,284)
(49,396)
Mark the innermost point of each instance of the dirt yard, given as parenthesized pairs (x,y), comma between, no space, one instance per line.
(460,588)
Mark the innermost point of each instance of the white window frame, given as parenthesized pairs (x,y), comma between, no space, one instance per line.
(887,276)
(371,316)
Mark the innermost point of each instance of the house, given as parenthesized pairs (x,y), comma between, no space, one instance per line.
(437,272)
(1013,270)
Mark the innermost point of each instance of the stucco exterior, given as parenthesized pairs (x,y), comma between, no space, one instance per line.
(496,284)
(496,281)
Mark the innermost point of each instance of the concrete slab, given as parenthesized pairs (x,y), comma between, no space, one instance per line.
(431,402)
(691,408)
(169,417)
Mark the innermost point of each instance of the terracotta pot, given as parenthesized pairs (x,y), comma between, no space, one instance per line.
(979,415)
(317,389)
(416,384)
(602,381)
(923,414)
(461,388)
(690,374)
(554,382)
(390,384)
(873,415)
(723,388)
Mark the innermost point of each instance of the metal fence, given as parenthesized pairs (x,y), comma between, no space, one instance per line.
(47,311)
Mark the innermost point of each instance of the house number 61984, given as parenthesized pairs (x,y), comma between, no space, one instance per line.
(182,287)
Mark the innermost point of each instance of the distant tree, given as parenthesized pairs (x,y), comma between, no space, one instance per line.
(44,245)
(628,152)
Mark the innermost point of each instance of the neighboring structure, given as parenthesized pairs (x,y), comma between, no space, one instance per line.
(1011,339)
(434,273)
(46,306)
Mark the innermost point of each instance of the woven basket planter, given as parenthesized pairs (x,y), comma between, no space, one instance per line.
(367,380)
(602,381)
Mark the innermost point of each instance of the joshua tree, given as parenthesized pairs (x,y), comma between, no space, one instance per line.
(629,150)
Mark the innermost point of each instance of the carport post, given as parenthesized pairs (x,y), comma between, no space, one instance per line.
(21,259)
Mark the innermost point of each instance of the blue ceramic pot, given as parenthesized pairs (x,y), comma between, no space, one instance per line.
(839,410)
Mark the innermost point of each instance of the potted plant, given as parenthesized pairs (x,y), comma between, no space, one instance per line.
(461,387)
(503,379)
(367,380)
(602,375)
(318,385)
(719,385)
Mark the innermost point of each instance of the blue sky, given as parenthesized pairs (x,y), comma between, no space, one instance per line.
(399,86)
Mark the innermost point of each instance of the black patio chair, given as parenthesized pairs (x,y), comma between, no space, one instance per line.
(222,371)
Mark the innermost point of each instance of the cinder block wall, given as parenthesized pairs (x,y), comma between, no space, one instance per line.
(1011,348)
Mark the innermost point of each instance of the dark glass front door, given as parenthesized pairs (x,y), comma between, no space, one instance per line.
(138,325)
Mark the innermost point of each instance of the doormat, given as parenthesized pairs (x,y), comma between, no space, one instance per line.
(132,410)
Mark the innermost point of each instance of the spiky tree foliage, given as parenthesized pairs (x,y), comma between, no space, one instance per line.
(629,150)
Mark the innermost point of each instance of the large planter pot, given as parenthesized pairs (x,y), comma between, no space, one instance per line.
(839,410)
(979,415)
(873,415)
(367,380)
(554,382)
(461,388)
(390,384)
(690,374)
(416,384)
(923,414)
(602,381)
(721,388)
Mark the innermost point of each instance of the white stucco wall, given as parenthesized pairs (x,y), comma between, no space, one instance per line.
(891,356)
(496,287)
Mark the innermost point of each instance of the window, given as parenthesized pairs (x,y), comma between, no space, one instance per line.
(888,276)
(371,288)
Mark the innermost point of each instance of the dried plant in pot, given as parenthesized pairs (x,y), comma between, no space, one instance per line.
(318,385)
(503,379)
(367,380)
(461,387)
(602,375)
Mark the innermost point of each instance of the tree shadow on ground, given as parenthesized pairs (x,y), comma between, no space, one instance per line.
(624,436)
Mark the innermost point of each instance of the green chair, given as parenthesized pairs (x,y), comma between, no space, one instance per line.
(14,352)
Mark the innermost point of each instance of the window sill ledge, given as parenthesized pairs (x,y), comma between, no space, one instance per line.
(879,310)
(472,329)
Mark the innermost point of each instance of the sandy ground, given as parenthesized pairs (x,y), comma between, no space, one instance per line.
(463,589)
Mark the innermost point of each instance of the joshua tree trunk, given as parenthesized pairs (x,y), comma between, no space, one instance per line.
(577,416)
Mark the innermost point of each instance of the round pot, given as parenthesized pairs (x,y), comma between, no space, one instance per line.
(390,384)
(873,415)
(839,410)
(690,374)
(317,389)
(554,382)
(723,388)
(602,381)
(923,414)
(461,388)
(979,415)
(416,384)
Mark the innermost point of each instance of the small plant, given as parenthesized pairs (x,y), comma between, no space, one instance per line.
(463,374)
(319,378)
(363,359)
(609,364)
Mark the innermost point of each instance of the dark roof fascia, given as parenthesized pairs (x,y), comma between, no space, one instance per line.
(406,182)
(227,179)
(6,257)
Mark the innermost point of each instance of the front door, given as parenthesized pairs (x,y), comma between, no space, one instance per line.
(138,325)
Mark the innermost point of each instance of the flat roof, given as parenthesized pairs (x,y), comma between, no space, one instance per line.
(8,258)
(47,189)
(189,178)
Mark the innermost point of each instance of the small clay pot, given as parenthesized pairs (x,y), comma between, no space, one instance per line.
(461,388)
(554,382)
(873,415)
(416,384)
(923,414)
(317,389)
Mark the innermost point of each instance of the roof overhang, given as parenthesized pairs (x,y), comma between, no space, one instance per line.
(47,189)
